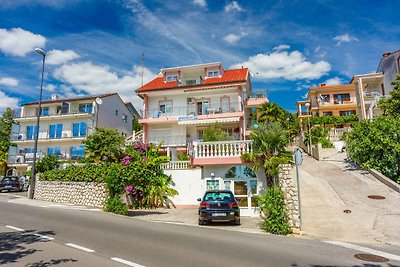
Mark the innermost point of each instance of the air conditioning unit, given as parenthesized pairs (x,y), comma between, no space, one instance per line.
(191,100)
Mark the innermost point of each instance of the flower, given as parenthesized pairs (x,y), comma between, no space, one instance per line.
(126,160)
(129,188)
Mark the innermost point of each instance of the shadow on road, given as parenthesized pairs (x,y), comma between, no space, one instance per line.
(49,263)
(133,213)
(13,245)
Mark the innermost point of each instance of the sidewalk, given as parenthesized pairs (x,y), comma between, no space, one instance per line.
(330,187)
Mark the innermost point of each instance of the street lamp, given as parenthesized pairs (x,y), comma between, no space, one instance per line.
(309,126)
(33,180)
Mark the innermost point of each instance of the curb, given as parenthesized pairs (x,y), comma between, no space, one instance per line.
(385,180)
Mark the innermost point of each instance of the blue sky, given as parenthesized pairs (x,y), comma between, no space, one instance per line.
(95,46)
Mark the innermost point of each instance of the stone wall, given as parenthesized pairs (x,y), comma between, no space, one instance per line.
(287,180)
(78,193)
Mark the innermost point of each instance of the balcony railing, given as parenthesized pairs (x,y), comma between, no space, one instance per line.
(176,165)
(21,158)
(221,149)
(192,110)
(45,135)
(368,96)
(178,140)
(52,114)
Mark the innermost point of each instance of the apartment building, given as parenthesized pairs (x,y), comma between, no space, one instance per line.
(328,100)
(64,125)
(179,104)
(372,87)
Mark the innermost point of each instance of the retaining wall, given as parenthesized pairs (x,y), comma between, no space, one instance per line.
(78,193)
(287,180)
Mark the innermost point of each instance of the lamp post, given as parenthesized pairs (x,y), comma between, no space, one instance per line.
(309,126)
(33,178)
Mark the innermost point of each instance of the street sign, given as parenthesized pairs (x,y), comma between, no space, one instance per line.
(298,156)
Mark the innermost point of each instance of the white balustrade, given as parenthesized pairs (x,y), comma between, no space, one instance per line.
(176,165)
(222,149)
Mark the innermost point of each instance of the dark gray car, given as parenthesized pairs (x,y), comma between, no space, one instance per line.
(11,183)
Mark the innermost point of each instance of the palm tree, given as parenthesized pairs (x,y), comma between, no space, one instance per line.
(271,112)
(269,142)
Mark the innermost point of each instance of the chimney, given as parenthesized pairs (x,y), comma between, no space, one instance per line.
(54,97)
(386,54)
(323,84)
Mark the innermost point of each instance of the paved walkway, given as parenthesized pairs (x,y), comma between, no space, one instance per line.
(330,187)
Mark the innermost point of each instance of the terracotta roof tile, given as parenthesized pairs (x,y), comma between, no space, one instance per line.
(229,76)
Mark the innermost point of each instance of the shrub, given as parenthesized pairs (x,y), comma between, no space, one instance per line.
(116,205)
(273,207)
(183,156)
(47,163)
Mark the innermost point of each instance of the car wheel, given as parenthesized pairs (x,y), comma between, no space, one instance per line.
(237,222)
(201,222)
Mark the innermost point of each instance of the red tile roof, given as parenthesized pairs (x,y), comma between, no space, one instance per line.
(229,76)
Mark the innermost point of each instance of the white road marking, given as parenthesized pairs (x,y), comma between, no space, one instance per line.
(366,250)
(15,228)
(44,236)
(129,263)
(79,247)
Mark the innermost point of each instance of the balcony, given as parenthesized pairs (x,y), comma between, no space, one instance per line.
(53,115)
(45,136)
(191,111)
(259,98)
(371,96)
(225,152)
(335,102)
(27,158)
(176,140)
(176,165)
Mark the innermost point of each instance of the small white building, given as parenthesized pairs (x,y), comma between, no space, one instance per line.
(64,125)
(179,104)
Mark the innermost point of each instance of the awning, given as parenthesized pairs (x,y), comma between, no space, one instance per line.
(208,121)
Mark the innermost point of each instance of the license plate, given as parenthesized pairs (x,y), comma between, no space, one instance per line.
(218,214)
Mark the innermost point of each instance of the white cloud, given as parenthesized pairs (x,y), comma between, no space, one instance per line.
(9,82)
(201,3)
(18,42)
(96,79)
(281,47)
(7,102)
(49,88)
(233,6)
(334,81)
(290,66)
(58,57)
(344,38)
(234,38)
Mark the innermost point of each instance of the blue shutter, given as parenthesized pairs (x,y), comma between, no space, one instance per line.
(75,129)
(59,130)
(82,130)
(52,131)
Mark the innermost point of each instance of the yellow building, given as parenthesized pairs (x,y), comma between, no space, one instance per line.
(329,100)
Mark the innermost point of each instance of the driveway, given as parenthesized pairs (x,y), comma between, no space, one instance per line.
(335,203)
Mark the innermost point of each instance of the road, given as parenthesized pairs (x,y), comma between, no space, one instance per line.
(37,235)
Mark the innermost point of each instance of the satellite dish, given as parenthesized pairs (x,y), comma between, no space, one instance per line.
(98,101)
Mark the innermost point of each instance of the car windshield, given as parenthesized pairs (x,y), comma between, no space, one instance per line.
(6,179)
(211,196)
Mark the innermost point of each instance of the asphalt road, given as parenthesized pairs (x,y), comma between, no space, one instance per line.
(95,237)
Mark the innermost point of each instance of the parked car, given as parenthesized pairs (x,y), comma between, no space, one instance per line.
(11,183)
(218,206)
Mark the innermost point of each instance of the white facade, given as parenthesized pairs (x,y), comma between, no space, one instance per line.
(64,125)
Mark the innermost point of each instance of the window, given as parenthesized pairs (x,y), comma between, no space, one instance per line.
(190,82)
(54,151)
(30,132)
(347,112)
(79,129)
(45,111)
(85,108)
(124,118)
(225,104)
(240,171)
(325,98)
(77,152)
(202,106)
(213,73)
(166,106)
(212,184)
(171,78)
(29,150)
(341,98)
(327,113)
(55,131)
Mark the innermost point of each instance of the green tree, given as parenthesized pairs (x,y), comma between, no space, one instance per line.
(47,163)
(319,135)
(391,106)
(105,145)
(271,112)
(6,122)
(136,126)
(376,144)
(269,149)
(215,133)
